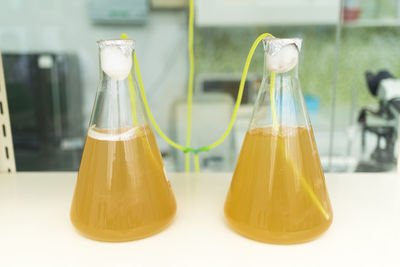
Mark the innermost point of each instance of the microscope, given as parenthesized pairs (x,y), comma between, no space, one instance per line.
(381,122)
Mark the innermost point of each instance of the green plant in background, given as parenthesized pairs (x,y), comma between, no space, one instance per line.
(365,49)
(361,49)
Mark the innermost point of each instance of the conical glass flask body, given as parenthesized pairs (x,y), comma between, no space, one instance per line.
(121,192)
(278,192)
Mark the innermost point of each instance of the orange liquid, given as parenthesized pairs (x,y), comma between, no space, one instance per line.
(122,192)
(278,192)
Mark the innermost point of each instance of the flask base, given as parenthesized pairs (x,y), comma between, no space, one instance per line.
(107,235)
(280,238)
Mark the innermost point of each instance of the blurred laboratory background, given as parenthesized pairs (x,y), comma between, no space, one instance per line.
(349,71)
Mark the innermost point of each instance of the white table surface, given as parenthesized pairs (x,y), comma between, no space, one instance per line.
(35,229)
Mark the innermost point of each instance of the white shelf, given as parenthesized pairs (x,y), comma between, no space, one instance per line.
(221,13)
(373,23)
(35,229)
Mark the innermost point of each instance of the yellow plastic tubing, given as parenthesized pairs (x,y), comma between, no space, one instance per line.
(289,161)
(190,90)
(188,149)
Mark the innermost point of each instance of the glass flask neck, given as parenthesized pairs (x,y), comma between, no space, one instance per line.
(281,56)
(118,104)
(115,59)
(280,103)
(286,78)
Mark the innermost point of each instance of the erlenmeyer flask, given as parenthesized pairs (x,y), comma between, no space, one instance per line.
(278,192)
(121,192)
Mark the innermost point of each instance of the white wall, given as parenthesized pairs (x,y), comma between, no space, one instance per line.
(64,25)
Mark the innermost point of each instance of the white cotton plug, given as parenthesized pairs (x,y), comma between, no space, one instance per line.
(115,62)
(283,60)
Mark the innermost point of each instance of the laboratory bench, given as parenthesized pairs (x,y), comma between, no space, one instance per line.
(35,229)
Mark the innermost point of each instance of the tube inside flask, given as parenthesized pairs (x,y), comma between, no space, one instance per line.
(278,191)
(122,192)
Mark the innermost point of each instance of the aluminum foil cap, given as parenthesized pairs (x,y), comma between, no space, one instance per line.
(282,55)
(126,45)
